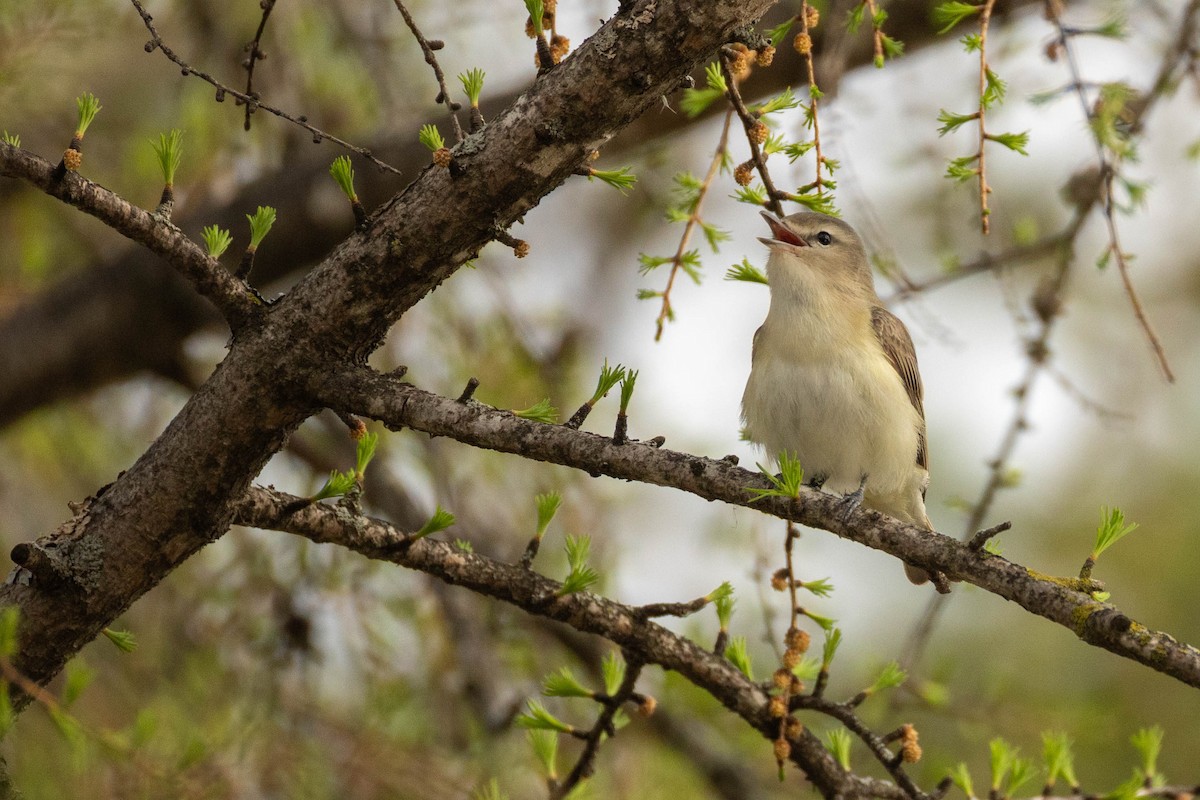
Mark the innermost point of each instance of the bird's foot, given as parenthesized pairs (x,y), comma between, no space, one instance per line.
(852,500)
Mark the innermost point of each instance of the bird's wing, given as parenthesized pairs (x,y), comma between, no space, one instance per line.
(754,344)
(898,347)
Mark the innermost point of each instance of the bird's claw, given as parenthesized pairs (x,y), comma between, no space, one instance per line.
(852,500)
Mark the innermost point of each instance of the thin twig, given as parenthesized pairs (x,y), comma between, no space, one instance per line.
(985,18)
(255,54)
(813,94)
(693,220)
(431,60)
(845,714)
(156,42)
(603,728)
(748,120)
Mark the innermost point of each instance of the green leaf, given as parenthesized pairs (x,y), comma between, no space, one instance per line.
(431,137)
(821,203)
(952,122)
(798,150)
(124,641)
(563,683)
(628,381)
(1013,141)
(536,11)
(541,411)
(780,32)
(722,598)
(1148,743)
(781,102)
(961,169)
(338,484)
(1001,757)
(972,42)
(837,741)
(892,48)
(1111,530)
(786,484)
(994,89)
(547,506)
(854,18)
(464,545)
(947,15)
(833,639)
(78,676)
(260,224)
(88,107)
(689,262)
(472,83)
(216,240)
(1059,760)
(613,670)
(821,587)
(609,377)
(545,747)
(695,101)
(756,195)
(440,520)
(11,139)
(739,656)
(364,451)
(714,235)
(808,669)
(745,271)
(169,152)
(491,791)
(342,171)
(962,779)
(889,678)
(647,263)
(620,179)
(538,718)
(581,576)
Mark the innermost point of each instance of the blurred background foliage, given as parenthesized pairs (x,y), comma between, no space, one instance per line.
(271,667)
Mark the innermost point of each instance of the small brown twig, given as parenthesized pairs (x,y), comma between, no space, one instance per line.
(254,55)
(749,121)
(428,47)
(877,745)
(156,42)
(985,18)
(810,15)
(692,222)
(604,728)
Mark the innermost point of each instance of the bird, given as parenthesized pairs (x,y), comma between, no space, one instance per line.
(834,379)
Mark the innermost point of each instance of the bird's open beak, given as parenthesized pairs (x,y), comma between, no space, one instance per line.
(780,233)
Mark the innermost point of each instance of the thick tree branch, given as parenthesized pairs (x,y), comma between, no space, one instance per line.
(1066,602)
(526,589)
(226,292)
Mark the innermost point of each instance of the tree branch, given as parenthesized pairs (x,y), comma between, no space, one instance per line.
(511,583)
(226,292)
(398,404)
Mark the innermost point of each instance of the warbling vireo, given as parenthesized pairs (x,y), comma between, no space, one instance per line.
(833,376)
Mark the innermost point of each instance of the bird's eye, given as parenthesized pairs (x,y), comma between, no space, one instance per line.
(824,238)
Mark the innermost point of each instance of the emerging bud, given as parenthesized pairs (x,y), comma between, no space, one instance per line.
(802,43)
(766,56)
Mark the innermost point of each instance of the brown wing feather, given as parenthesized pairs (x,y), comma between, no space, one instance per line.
(898,347)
